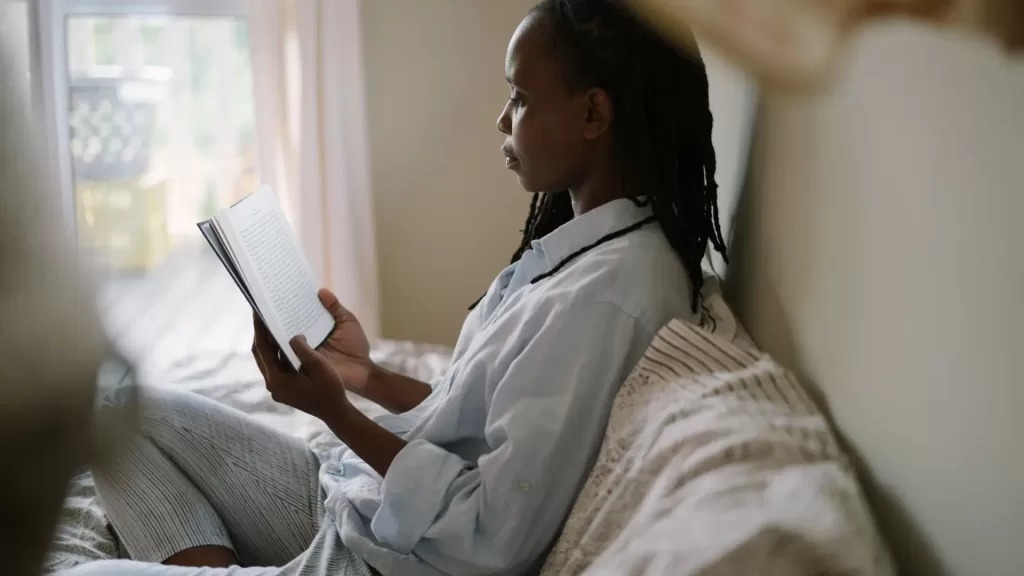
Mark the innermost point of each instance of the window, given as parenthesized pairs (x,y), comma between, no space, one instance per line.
(160,130)
(153,122)
(150,110)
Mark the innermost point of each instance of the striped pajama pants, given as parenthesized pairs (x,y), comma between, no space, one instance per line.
(203,474)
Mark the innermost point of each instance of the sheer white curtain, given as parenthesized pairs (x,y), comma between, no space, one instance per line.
(14,40)
(310,114)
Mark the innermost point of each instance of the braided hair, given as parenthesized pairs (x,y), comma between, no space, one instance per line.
(662,128)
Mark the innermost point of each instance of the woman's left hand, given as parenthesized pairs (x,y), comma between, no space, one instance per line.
(315,389)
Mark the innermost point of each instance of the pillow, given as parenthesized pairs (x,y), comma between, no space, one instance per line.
(715,461)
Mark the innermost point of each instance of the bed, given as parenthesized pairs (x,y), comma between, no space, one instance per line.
(655,497)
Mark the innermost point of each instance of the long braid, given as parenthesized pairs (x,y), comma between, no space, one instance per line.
(547,213)
(712,193)
(557,211)
(528,227)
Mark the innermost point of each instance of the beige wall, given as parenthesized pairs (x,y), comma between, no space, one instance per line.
(881,255)
(448,213)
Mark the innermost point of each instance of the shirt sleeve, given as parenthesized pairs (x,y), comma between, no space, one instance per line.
(548,398)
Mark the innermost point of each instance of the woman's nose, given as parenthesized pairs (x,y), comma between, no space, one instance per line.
(504,122)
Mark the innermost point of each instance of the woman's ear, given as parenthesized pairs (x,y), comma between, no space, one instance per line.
(600,113)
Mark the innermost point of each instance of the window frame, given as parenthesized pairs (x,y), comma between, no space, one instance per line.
(50,60)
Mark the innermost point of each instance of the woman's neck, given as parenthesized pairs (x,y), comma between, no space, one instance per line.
(602,187)
(583,203)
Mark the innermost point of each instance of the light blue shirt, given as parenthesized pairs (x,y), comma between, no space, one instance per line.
(499,450)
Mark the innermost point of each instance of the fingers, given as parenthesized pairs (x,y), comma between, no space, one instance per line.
(262,340)
(333,305)
(313,364)
(259,361)
(256,324)
(265,350)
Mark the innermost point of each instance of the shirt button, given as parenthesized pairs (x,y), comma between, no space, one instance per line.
(524,486)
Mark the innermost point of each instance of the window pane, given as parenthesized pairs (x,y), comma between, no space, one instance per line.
(161,127)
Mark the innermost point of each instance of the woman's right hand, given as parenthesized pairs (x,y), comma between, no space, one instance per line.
(347,348)
(348,352)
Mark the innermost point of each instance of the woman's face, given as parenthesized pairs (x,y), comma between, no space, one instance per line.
(543,121)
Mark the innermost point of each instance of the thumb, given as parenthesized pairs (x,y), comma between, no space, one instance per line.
(333,305)
(313,365)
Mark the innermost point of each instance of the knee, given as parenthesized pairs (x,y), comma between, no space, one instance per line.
(163,407)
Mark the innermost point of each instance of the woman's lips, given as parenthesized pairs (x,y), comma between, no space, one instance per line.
(511,160)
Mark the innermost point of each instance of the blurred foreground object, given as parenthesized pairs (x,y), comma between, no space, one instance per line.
(795,43)
(51,347)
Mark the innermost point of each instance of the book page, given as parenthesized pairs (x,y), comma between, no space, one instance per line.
(277,272)
(213,237)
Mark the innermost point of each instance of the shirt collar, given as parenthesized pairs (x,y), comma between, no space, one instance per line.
(588,228)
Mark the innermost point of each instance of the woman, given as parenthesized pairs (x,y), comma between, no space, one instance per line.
(609,128)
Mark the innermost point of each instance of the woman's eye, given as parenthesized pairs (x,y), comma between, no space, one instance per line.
(515,99)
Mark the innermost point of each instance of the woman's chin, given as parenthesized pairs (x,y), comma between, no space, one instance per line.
(528,186)
(534,185)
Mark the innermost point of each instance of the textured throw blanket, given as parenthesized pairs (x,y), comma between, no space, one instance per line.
(716,461)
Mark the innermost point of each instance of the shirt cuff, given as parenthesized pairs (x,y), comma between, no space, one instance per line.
(414,493)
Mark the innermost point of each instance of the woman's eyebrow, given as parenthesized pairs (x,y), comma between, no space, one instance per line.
(510,72)
(512,84)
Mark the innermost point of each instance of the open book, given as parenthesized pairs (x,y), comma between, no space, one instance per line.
(259,250)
